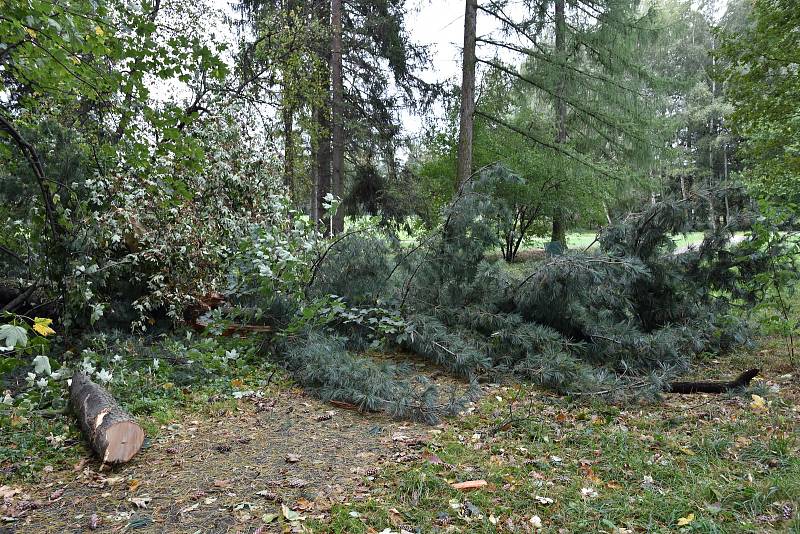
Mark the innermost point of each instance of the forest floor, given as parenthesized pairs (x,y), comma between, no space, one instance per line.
(286,462)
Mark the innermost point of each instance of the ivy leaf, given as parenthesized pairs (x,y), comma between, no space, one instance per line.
(13,336)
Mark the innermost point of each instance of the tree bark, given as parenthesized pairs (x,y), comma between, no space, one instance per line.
(314,144)
(323,123)
(110,430)
(288,144)
(742,381)
(337,176)
(323,164)
(725,178)
(467,114)
(559,232)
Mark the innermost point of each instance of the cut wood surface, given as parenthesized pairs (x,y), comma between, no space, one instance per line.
(110,430)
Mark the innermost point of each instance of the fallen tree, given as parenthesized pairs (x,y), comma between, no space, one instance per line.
(111,431)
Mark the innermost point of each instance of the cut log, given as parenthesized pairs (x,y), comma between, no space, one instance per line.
(742,381)
(110,430)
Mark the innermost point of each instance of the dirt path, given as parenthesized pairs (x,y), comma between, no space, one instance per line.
(223,474)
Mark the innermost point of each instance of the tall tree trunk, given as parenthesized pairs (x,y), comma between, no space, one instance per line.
(323,165)
(288,144)
(464,168)
(337,182)
(323,161)
(559,232)
(315,212)
(712,216)
(725,178)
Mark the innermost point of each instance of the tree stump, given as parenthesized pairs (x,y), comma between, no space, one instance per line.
(110,430)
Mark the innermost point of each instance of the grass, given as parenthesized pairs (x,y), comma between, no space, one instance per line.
(581,240)
(192,376)
(690,464)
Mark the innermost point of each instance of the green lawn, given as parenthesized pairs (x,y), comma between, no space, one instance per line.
(690,464)
(581,240)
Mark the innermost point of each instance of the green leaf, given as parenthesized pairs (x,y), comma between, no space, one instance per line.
(13,336)
(41,365)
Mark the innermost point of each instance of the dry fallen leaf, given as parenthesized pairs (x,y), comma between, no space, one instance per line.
(304,505)
(758,404)
(468,485)
(141,502)
(683,521)
(292,458)
(8,492)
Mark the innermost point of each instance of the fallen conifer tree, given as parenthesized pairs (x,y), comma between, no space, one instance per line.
(622,321)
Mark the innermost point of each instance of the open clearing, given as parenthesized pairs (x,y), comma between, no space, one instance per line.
(698,463)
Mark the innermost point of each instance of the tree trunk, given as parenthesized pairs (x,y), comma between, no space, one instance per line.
(323,164)
(321,113)
(464,166)
(725,178)
(110,430)
(314,145)
(559,232)
(337,177)
(288,145)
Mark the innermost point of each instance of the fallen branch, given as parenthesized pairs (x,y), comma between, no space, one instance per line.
(714,386)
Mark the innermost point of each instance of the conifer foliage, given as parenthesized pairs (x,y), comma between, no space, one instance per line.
(618,322)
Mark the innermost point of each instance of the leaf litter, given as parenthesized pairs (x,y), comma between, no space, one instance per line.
(299,458)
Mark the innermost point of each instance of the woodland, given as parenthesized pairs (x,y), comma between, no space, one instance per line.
(224,223)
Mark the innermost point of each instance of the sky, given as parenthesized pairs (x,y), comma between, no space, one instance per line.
(439,25)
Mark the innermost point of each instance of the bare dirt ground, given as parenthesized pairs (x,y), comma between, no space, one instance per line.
(225,474)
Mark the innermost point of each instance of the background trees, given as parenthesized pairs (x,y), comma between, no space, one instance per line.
(761,55)
(135,116)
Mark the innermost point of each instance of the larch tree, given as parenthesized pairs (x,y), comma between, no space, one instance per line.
(584,59)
